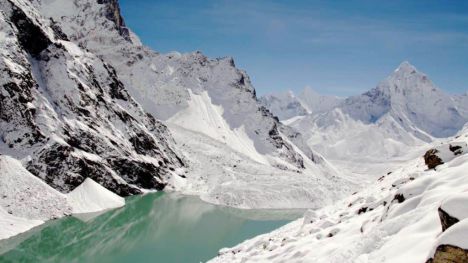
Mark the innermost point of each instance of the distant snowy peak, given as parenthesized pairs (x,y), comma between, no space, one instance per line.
(284,105)
(287,105)
(412,99)
(317,103)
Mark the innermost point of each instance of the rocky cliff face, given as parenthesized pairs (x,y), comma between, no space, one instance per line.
(68,116)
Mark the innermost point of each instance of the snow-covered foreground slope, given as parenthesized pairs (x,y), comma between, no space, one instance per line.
(406,216)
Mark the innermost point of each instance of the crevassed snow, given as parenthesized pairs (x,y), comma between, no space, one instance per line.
(90,197)
(377,224)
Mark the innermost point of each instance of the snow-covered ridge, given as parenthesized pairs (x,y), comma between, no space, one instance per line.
(401,210)
(192,92)
(167,84)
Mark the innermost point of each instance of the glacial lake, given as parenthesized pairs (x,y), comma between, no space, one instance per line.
(157,227)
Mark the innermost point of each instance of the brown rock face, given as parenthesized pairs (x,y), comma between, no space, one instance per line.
(449,254)
(446,220)
(431,159)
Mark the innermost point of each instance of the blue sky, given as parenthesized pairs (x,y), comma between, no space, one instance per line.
(336,47)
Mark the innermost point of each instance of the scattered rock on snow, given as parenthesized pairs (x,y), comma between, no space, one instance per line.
(449,254)
(446,220)
(431,159)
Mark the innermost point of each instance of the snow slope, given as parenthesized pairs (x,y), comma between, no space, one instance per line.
(25,200)
(90,197)
(24,195)
(224,176)
(377,224)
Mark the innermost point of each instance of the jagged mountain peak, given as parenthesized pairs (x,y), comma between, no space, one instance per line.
(407,77)
(405,66)
(412,99)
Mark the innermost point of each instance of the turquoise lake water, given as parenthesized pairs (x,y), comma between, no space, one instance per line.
(155,227)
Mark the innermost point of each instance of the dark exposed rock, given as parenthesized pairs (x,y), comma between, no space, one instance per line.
(139,173)
(112,12)
(143,144)
(59,34)
(457,150)
(61,169)
(431,159)
(446,220)
(362,210)
(449,254)
(30,36)
(399,198)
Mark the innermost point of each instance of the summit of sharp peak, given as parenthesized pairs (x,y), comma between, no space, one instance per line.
(405,66)
(407,75)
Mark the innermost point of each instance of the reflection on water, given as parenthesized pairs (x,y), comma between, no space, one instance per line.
(152,228)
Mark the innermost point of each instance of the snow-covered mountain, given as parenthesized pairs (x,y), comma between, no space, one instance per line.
(413,214)
(404,111)
(287,105)
(66,114)
(79,92)
(207,99)
(412,100)
(174,85)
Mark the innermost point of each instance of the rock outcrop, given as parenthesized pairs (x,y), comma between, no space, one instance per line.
(449,254)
